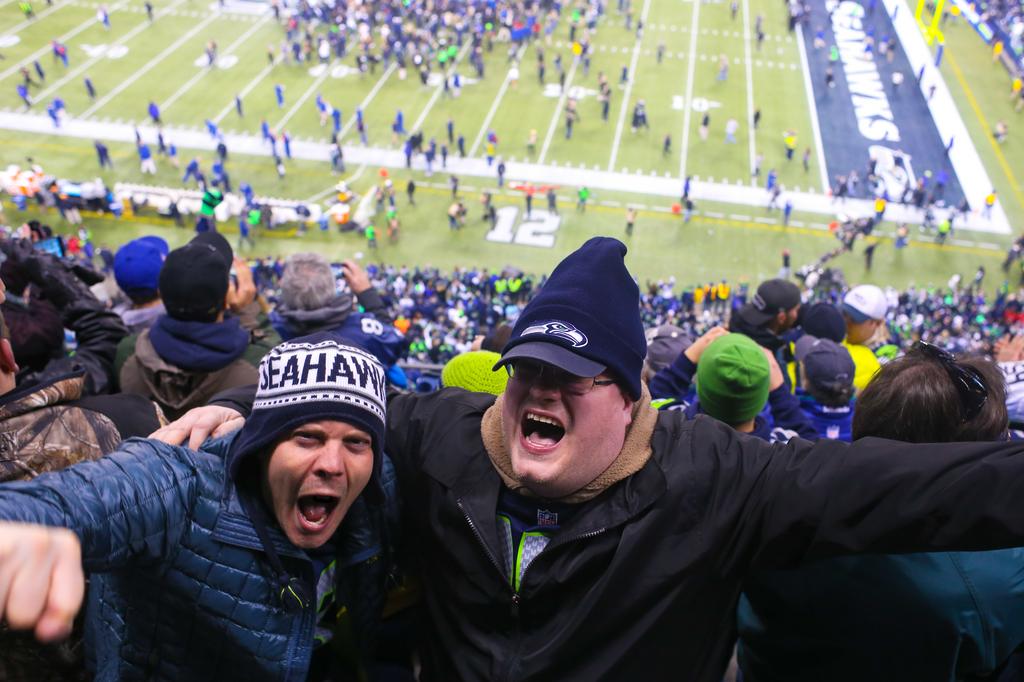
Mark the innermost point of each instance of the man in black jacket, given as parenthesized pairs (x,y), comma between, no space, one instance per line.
(567,531)
(774,310)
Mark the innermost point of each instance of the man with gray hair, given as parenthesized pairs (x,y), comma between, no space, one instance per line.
(317,296)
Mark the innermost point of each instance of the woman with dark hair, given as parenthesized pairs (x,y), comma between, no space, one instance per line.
(928,617)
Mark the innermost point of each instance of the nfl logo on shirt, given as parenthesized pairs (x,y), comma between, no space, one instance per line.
(546,518)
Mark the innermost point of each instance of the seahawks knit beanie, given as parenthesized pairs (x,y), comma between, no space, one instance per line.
(586,317)
(314,378)
(474,371)
(732,379)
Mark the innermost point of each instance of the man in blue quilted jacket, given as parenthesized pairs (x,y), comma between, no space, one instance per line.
(257,557)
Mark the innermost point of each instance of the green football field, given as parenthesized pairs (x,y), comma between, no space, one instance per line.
(138,61)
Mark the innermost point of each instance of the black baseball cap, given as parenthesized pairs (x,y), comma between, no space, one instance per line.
(826,363)
(772,297)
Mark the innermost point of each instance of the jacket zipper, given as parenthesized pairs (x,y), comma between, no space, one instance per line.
(483,545)
(516,598)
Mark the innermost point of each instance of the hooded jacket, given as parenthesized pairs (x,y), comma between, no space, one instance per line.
(645,578)
(181,588)
(372,331)
(181,365)
(642,582)
(47,427)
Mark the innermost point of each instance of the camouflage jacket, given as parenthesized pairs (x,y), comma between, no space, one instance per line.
(49,426)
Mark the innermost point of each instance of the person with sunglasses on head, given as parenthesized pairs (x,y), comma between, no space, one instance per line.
(934,616)
(566,530)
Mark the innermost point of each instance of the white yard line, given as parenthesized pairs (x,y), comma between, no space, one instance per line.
(245,91)
(440,88)
(557,116)
(688,99)
(317,82)
(28,22)
(494,106)
(64,38)
(809,88)
(166,104)
(74,73)
(164,54)
(629,88)
(750,89)
(366,100)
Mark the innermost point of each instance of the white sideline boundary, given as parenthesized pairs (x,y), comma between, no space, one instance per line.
(967,165)
(537,173)
(801,47)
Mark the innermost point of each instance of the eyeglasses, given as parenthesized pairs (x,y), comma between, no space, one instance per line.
(968,382)
(530,372)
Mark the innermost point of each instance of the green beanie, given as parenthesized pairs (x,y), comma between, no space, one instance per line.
(473,372)
(732,379)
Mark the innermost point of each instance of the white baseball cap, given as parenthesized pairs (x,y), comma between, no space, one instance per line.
(865,302)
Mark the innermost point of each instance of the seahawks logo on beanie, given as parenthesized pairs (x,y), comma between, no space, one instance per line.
(559,329)
(294,373)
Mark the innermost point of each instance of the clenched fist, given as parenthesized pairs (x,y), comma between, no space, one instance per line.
(41,579)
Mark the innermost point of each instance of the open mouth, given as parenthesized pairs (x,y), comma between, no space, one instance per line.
(315,510)
(541,431)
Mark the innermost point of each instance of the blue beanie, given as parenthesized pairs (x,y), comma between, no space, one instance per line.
(586,318)
(309,379)
(137,266)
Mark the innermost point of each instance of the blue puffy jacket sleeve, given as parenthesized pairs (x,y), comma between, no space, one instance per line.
(132,505)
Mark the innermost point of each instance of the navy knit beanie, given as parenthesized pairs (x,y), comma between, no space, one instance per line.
(309,379)
(586,318)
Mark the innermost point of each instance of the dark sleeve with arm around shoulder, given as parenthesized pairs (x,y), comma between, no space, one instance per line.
(373,303)
(132,505)
(780,505)
(418,422)
(674,380)
(786,413)
(239,399)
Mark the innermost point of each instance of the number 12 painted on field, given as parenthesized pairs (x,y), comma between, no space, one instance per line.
(537,230)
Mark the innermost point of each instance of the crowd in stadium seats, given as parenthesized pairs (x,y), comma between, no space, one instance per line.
(304,356)
(1008,15)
